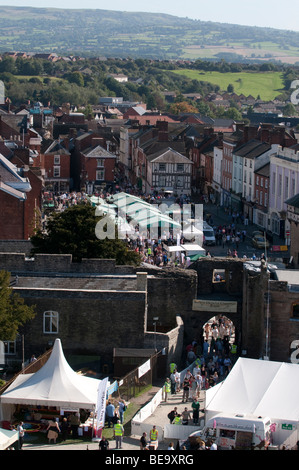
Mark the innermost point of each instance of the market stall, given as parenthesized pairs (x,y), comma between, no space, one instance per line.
(53,392)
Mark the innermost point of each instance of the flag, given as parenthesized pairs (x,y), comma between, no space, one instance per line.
(101,404)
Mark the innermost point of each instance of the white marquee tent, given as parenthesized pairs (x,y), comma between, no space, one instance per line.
(7,438)
(55,384)
(260,388)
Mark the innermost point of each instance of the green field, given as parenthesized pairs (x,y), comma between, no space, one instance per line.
(267,85)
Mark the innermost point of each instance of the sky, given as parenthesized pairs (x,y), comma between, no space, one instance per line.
(266,13)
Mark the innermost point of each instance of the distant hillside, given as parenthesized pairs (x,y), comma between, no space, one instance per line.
(140,35)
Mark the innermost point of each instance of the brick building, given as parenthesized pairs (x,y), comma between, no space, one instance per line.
(56,161)
(20,196)
(94,164)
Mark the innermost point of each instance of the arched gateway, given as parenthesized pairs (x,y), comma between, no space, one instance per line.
(219,293)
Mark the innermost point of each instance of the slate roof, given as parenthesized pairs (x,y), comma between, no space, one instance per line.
(252,149)
(293,201)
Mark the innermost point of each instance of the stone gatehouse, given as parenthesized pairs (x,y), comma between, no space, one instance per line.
(95,306)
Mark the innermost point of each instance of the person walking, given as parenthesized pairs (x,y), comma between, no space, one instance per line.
(121,410)
(118,432)
(104,444)
(154,434)
(110,409)
(195,410)
(143,443)
(172,414)
(186,415)
(167,388)
(53,431)
(186,388)
(64,429)
(21,432)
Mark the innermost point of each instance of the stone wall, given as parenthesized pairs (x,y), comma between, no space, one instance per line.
(48,263)
(205,268)
(284,328)
(172,341)
(16,246)
(90,322)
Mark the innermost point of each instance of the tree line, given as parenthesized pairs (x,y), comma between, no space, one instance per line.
(84,81)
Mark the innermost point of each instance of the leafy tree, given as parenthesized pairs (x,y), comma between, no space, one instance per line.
(13,312)
(182,107)
(289,110)
(73,232)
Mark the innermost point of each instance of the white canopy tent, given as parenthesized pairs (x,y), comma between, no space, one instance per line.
(260,388)
(55,384)
(8,438)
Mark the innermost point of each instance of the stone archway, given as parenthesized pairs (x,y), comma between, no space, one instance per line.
(201,316)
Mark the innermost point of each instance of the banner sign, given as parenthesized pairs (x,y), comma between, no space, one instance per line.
(112,388)
(101,403)
(144,368)
(214,306)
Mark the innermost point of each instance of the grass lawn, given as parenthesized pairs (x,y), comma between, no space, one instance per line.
(266,84)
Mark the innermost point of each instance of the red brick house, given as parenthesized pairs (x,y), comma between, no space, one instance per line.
(95,164)
(56,161)
(20,197)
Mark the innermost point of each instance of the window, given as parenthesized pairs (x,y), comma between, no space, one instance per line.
(56,159)
(279,185)
(162,181)
(180,167)
(100,162)
(266,200)
(100,174)
(286,187)
(261,198)
(179,183)
(9,347)
(257,180)
(266,183)
(273,182)
(295,310)
(51,322)
(262,182)
(162,166)
(56,171)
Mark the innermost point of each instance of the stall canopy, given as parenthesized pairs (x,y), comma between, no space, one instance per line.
(55,384)
(142,212)
(7,438)
(259,388)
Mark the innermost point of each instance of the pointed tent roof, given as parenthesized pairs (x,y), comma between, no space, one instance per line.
(259,388)
(55,384)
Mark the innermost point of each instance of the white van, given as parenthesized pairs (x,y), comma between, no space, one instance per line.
(209,235)
(238,432)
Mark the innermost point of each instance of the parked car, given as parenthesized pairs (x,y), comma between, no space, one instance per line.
(259,241)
